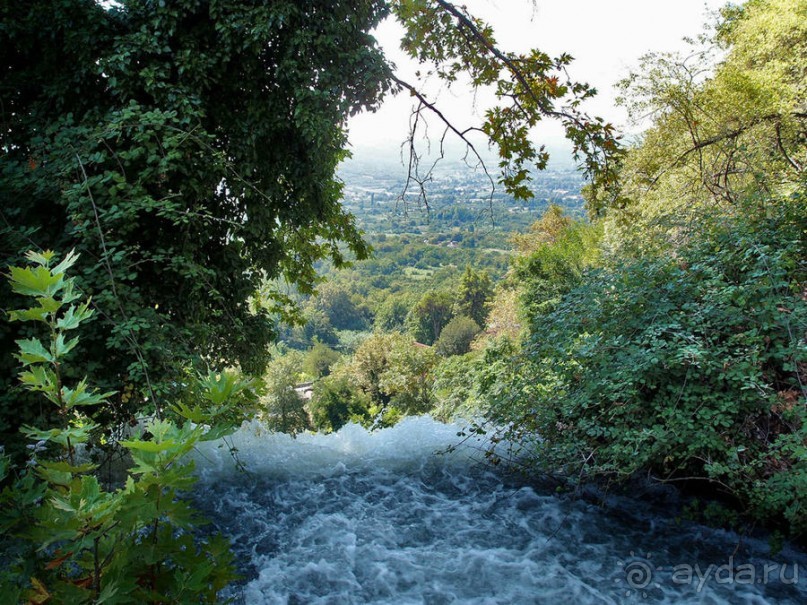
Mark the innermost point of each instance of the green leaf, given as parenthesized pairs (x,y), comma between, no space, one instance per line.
(42,258)
(218,431)
(148,446)
(74,434)
(73,317)
(37,281)
(33,314)
(80,396)
(62,504)
(68,262)
(39,378)
(110,590)
(65,467)
(195,414)
(69,295)
(60,348)
(54,476)
(46,306)
(32,351)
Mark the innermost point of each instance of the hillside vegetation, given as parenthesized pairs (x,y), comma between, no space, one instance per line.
(183,257)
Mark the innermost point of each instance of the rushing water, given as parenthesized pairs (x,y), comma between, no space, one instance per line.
(360,517)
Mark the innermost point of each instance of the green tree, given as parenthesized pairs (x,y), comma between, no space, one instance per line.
(368,364)
(339,306)
(546,230)
(456,337)
(394,371)
(316,328)
(722,129)
(559,253)
(408,378)
(454,388)
(336,401)
(504,319)
(475,290)
(284,408)
(666,340)
(319,360)
(391,314)
(430,315)
(528,88)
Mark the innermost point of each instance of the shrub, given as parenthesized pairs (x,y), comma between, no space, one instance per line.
(67,539)
(688,368)
(456,337)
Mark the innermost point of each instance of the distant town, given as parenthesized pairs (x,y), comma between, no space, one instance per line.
(456,196)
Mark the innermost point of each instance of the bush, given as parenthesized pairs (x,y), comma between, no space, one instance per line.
(283,408)
(319,359)
(689,368)
(336,402)
(456,337)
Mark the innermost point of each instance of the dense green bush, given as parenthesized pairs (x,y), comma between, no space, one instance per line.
(690,367)
(319,360)
(336,402)
(282,408)
(456,337)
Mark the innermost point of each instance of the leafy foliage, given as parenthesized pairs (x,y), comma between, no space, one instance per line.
(689,367)
(336,402)
(341,308)
(394,373)
(430,315)
(456,337)
(475,290)
(283,408)
(722,131)
(188,150)
(319,360)
(66,538)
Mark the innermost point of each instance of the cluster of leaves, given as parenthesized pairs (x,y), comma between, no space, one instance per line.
(66,537)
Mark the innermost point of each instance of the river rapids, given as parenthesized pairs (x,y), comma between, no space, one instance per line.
(390,517)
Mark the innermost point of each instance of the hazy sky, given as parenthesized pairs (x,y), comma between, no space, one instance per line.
(606,37)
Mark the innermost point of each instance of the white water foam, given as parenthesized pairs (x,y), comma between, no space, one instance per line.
(410,444)
(361,517)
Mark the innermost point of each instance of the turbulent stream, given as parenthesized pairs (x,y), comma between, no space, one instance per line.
(358,517)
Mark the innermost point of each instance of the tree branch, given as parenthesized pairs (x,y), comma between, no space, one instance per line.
(414,158)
